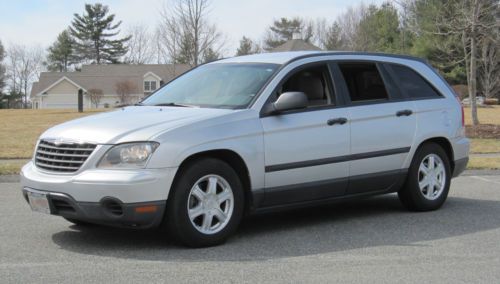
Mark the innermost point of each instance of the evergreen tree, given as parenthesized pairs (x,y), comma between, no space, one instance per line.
(95,33)
(282,31)
(210,55)
(443,49)
(61,53)
(333,38)
(183,54)
(379,29)
(247,46)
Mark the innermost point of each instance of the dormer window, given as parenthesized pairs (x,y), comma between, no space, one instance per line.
(150,86)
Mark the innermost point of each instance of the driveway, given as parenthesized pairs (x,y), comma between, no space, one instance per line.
(369,241)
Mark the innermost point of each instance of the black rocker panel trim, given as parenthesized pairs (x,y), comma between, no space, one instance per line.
(332,160)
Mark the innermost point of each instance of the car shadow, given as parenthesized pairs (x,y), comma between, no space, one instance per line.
(372,222)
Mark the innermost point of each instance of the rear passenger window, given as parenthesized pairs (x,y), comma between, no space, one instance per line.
(412,83)
(364,82)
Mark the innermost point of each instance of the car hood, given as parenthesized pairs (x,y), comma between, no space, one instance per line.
(129,124)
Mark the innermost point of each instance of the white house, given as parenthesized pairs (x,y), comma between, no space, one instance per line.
(60,89)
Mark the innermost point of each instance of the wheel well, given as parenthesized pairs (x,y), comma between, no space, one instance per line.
(232,159)
(446,145)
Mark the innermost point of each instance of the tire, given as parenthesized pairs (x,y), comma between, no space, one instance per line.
(78,222)
(425,194)
(190,209)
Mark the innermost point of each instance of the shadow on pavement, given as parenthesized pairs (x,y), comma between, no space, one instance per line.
(373,222)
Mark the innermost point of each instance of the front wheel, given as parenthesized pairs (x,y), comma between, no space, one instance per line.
(206,204)
(428,180)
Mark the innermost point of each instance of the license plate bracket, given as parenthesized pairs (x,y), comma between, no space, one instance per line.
(39,202)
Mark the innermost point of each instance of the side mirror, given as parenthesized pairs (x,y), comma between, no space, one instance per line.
(290,101)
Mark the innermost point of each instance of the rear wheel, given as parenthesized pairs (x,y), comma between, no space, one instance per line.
(206,204)
(428,180)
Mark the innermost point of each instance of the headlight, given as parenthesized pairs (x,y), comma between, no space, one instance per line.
(128,156)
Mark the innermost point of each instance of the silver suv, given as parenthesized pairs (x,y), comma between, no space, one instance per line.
(255,134)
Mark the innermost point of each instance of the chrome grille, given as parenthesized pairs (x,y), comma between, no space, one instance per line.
(62,157)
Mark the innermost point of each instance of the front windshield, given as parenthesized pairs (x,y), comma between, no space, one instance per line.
(219,85)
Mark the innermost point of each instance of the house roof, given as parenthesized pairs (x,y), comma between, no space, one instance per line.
(105,77)
(295,45)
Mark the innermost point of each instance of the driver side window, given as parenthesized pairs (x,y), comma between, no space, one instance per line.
(314,81)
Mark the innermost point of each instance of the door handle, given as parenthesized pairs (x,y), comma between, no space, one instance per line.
(338,120)
(406,112)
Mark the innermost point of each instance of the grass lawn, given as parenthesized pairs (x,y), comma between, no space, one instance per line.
(11,168)
(489,115)
(482,146)
(21,129)
(484,163)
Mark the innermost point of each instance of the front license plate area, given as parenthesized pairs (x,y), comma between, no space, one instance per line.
(39,202)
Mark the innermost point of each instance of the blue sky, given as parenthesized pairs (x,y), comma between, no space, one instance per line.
(39,21)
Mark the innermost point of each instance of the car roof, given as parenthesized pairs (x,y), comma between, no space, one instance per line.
(285,57)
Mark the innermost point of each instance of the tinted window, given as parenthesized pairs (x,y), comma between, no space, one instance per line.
(215,85)
(412,83)
(363,81)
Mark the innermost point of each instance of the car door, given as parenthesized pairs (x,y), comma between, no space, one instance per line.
(306,150)
(382,123)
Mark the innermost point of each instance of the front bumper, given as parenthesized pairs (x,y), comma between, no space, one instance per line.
(130,198)
(109,211)
(92,185)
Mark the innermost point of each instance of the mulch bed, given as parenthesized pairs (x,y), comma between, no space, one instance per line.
(486,131)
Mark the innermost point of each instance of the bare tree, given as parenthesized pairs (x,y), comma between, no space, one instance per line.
(140,46)
(186,32)
(95,96)
(489,66)
(475,21)
(124,90)
(25,65)
(468,21)
(2,68)
(348,25)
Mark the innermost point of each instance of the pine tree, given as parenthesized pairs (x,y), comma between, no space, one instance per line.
(95,33)
(61,53)
(210,55)
(282,30)
(247,46)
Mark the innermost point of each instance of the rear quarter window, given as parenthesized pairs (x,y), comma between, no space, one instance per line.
(412,83)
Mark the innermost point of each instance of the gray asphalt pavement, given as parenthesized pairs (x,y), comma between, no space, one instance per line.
(369,241)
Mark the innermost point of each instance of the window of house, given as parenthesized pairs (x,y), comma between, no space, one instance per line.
(364,82)
(315,82)
(412,83)
(150,86)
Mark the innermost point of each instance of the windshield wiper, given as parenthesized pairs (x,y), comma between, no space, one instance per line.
(173,105)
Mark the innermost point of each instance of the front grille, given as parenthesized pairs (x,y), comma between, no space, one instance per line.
(62,157)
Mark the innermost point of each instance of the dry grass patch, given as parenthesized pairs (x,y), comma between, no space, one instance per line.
(11,168)
(486,115)
(22,127)
(482,163)
(485,146)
